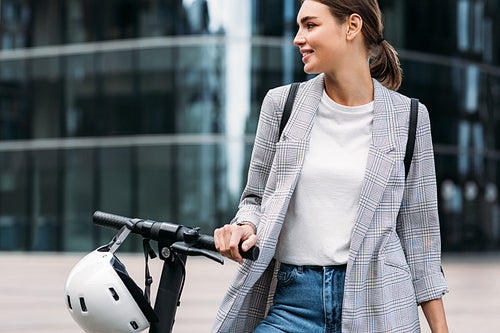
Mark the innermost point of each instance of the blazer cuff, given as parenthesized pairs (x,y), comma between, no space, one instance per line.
(430,287)
(253,219)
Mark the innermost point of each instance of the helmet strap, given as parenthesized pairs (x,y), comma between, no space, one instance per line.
(118,239)
(122,235)
(148,253)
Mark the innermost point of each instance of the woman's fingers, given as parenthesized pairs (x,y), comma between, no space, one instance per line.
(234,243)
(228,238)
(249,243)
(222,239)
(218,239)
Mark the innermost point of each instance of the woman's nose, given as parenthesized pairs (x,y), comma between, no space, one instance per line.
(299,40)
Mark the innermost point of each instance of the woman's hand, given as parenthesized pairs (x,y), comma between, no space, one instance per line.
(228,238)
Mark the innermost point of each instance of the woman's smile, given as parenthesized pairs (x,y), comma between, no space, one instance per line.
(306,54)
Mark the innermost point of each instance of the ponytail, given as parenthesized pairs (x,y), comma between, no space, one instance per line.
(385,66)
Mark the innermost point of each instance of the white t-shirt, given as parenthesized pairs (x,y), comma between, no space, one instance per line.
(319,222)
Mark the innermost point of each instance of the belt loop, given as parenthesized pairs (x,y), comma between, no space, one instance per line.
(300,269)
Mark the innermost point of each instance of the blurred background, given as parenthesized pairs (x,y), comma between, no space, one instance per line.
(148,108)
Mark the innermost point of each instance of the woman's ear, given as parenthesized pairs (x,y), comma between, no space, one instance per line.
(354,25)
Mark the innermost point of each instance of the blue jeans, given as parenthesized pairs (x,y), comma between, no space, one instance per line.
(308,299)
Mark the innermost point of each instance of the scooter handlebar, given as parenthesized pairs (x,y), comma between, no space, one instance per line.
(157,230)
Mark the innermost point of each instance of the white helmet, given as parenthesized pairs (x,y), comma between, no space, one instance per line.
(102,298)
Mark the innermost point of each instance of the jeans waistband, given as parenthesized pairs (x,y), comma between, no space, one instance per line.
(301,268)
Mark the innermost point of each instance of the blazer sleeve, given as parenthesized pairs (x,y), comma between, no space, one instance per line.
(418,221)
(260,164)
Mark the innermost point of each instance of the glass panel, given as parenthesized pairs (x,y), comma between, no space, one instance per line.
(47,198)
(151,18)
(79,195)
(440,37)
(196,172)
(472,89)
(199,89)
(78,27)
(14,101)
(117,182)
(15,187)
(463,26)
(197,16)
(118,105)
(157,183)
(479,27)
(157,87)
(46,21)
(451,205)
(81,104)
(15,20)
(47,101)
(266,21)
(492,101)
(119,18)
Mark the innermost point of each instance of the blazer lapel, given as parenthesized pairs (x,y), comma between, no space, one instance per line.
(379,165)
(304,110)
(294,143)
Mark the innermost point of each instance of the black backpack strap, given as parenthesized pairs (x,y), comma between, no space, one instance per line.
(412,132)
(288,106)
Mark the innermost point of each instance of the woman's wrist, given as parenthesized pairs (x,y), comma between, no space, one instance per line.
(435,315)
(250,224)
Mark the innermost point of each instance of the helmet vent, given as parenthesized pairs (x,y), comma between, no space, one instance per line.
(134,325)
(114,294)
(69,302)
(82,305)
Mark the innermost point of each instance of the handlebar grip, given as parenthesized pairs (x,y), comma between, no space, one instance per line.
(109,220)
(252,253)
(207,242)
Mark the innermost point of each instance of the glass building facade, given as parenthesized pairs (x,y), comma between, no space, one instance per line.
(148,108)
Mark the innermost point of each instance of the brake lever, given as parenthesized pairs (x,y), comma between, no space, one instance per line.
(183,248)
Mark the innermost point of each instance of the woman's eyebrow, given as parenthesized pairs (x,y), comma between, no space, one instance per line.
(307,18)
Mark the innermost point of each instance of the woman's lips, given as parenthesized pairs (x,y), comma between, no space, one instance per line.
(306,54)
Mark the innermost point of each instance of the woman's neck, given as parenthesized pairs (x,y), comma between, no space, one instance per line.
(350,87)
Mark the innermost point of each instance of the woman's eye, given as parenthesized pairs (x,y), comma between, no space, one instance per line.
(310,25)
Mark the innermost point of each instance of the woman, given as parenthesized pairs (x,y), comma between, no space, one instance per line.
(357,246)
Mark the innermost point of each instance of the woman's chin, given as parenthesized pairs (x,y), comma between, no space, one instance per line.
(310,69)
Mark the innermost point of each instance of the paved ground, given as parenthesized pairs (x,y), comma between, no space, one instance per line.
(32,292)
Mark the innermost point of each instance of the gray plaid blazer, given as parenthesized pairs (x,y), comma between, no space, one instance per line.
(395,254)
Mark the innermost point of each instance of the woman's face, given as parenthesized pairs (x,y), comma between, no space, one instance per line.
(320,37)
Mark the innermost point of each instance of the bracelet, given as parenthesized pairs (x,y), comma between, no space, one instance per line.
(254,227)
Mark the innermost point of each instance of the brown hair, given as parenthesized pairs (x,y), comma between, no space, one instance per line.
(384,61)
